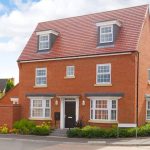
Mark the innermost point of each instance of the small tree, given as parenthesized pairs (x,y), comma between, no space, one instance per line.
(9,85)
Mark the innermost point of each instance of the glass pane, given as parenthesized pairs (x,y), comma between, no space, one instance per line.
(148,104)
(47,103)
(41,80)
(91,104)
(113,114)
(148,114)
(113,104)
(47,112)
(37,103)
(92,114)
(103,78)
(41,72)
(36,112)
(101,103)
(101,114)
(43,38)
(70,70)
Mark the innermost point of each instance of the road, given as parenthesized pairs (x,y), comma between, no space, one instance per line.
(30,144)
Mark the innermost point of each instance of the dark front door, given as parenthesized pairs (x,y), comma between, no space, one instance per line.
(70,114)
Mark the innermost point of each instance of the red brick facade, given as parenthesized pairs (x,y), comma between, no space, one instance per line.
(125,79)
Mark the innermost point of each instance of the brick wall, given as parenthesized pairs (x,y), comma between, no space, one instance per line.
(123,80)
(9,114)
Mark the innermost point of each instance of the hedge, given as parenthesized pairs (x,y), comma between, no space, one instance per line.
(97,132)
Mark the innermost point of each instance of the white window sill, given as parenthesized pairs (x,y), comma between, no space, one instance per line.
(39,118)
(40,86)
(102,121)
(109,84)
(69,77)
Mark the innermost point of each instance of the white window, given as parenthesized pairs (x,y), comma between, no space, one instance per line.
(44,42)
(70,71)
(105,110)
(148,110)
(106,34)
(103,74)
(149,75)
(40,108)
(41,77)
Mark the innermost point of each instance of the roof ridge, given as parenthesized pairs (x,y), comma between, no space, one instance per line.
(93,13)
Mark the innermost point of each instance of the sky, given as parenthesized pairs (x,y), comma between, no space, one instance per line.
(19,18)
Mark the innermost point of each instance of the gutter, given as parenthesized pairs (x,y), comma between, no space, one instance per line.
(76,57)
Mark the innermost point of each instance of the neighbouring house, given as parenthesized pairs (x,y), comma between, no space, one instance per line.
(3,84)
(94,68)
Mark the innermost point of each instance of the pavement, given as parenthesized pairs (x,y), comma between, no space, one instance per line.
(145,141)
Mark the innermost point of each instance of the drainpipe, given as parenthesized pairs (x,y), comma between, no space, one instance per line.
(137,99)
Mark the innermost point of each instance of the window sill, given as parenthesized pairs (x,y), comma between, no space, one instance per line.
(40,118)
(38,86)
(71,77)
(102,121)
(103,84)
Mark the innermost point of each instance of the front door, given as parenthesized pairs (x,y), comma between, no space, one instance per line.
(70,114)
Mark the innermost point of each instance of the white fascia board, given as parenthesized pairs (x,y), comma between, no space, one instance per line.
(76,57)
(47,32)
(105,23)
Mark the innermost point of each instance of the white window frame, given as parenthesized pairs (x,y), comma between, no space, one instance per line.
(101,27)
(44,42)
(109,108)
(43,107)
(147,109)
(97,73)
(36,76)
(68,71)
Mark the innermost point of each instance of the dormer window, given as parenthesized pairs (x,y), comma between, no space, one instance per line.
(107,33)
(46,40)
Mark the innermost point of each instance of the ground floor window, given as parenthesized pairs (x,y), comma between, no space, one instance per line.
(148,110)
(40,108)
(103,110)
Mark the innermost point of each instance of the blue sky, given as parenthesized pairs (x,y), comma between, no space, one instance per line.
(18,19)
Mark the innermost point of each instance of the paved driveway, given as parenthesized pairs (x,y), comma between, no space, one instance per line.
(30,144)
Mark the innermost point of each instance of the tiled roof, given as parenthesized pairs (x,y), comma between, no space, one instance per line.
(78,35)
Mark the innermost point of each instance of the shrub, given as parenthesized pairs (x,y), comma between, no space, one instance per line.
(4,129)
(43,129)
(96,132)
(24,126)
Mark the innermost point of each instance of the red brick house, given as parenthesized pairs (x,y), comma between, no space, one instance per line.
(94,67)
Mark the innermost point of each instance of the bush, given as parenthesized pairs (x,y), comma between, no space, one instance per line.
(96,132)
(43,129)
(4,129)
(24,126)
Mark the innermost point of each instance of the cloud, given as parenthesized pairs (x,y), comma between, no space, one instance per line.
(20,23)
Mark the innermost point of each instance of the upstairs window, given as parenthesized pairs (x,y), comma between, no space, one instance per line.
(70,71)
(44,42)
(103,74)
(106,34)
(41,77)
